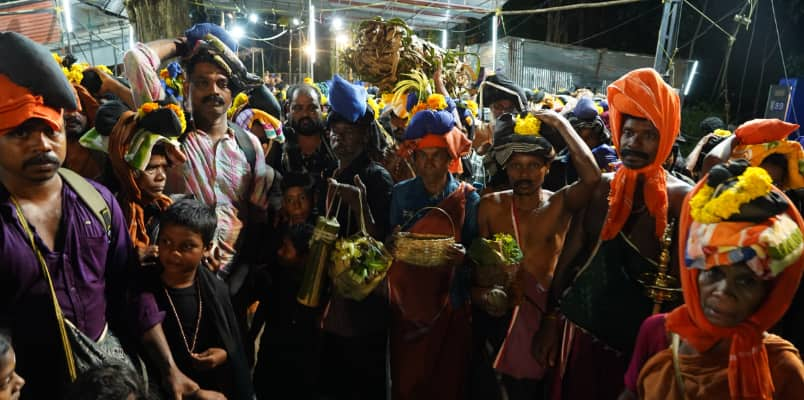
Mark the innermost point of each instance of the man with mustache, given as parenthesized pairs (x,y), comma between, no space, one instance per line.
(88,163)
(538,220)
(306,149)
(596,298)
(225,166)
(65,263)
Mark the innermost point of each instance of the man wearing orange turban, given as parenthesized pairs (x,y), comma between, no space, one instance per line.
(617,238)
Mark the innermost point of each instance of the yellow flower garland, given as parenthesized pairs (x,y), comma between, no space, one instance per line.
(238,101)
(722,133)
(437,102)
(147,108)
(529,125)
(752,184)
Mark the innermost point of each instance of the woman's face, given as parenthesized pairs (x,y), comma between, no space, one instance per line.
(730,294)
(10,383)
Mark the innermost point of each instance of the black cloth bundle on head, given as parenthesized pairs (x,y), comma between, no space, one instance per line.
(498,87)
(108,115)
(30,65)
(210,43)
(724,176)
(261,98)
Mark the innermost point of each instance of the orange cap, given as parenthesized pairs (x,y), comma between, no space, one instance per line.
(18,105)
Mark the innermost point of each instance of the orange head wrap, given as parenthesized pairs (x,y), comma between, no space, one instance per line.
(643,94)
(456,143)
(131,197)
(18,105)
(749,372)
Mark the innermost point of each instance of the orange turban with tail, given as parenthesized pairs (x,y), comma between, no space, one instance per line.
(643,94)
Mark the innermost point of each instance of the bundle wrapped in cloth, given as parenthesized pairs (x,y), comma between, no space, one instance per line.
(359,263)
(497,266)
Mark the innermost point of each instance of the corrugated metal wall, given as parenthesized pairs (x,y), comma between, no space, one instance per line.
(536,64)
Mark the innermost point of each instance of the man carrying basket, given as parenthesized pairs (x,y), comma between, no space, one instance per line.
(538,220)
(428,286)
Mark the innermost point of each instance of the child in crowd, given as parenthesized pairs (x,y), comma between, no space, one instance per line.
(742,246)
(199,324)
(290,343)
(109,382)
(10,383)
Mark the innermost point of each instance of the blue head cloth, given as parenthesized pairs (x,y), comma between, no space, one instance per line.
(429,121)
(198,31)
(585,109)
(605,104)
(174,69)
(347,100)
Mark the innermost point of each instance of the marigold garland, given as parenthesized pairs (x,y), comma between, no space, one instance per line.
(472,106)
(437,102)
(529,125)
(722,133)
(752,184)
(238,101)
(147,108)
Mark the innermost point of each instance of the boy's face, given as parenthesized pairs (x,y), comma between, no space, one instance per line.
(730,294)
(180,248)
(10,383)
(152,181)
(297,204)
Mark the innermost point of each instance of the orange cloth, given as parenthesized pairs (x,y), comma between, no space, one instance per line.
(18,104)
(130,197)
(749,374)
(757,139)
(641,93)
(456,143)
(706,377)
(87,104)
(759,131)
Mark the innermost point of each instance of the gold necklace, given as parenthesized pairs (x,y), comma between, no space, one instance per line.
(190,349)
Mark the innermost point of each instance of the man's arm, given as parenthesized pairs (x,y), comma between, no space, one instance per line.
(577,195)
(721,153)
(141,64)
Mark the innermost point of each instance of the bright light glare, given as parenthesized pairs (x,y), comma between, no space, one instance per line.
(68,15)
(237,32)
(296,22)
(337,23)
(253,18)
(691,78)
(342,39)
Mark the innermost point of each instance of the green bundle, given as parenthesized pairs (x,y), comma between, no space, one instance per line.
(359,263)
(502,249)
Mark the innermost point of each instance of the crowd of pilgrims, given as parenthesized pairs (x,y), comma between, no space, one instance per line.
(176,263)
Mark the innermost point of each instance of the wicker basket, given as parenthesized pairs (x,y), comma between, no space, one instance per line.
(424,249)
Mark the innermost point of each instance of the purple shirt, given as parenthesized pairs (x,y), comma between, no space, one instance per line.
(90,273)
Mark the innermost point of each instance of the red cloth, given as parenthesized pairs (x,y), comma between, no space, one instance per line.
(642,93)
(515,358)
(18,104)
(759,131)
(430,337)
(749,372)
(652,339)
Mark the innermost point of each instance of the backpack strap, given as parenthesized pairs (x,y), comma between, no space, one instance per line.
(245,144)
(90,196)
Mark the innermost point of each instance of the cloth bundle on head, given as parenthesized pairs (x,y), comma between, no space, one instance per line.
(131,144)
(498,87)
(436,128)
(517,134)
(97,138)
(586,114)
(32,85)
(759,138)
(643,94)
(210,41)
(256,106)
(762,229)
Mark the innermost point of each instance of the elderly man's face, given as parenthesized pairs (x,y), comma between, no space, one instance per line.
(501,107)
(432,163)
(639,143)
(347,140)
(32,151)
(210,93)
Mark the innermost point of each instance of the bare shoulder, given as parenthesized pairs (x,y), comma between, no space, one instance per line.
(677,190)
(495,198)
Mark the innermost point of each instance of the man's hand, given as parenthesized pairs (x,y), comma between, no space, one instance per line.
(180,385)
(213,260)
(546,341)
(210,358)
(148,256)
(552,118)
(350,194)
(208,395)
(456,254)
